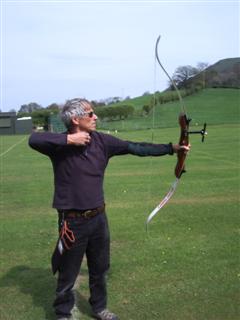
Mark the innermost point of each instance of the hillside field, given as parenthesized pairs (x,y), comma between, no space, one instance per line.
(185,268)
(214,106)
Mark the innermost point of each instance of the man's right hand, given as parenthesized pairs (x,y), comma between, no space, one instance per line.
(79,138)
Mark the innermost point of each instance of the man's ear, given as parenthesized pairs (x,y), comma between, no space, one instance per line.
(75,121)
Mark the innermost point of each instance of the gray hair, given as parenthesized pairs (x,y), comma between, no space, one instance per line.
(73,108)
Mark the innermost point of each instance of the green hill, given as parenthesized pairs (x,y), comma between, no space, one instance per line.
(226,65)
(223,74)
(214,106)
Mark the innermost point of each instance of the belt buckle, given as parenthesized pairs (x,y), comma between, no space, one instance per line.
(85,214)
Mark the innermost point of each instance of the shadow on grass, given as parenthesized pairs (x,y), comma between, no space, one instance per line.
(40,284)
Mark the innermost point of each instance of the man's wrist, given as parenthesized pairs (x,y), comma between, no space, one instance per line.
(69,139)
(171,148)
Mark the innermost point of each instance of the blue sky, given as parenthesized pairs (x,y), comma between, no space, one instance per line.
(52,51)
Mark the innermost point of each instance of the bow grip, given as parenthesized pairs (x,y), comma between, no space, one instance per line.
(183,141)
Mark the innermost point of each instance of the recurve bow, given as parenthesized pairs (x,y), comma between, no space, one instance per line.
(183,141)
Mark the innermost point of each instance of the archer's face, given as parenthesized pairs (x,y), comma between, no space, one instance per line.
(88,122)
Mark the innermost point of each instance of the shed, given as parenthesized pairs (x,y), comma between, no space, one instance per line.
(10,124)
(23,125)
(7,122)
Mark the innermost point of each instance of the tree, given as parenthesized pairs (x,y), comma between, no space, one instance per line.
(114,113)
(146,109)
(97,104)
(183,73)
(29,108)
(202,66)
(53,107)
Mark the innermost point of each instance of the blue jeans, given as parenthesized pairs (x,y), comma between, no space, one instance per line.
(92,239)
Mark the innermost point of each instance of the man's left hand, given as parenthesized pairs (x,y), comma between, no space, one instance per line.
(177,148)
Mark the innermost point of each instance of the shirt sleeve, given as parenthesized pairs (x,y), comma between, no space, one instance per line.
(143,149)
(117,146)
(47,142)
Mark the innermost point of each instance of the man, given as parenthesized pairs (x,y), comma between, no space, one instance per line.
(79,158)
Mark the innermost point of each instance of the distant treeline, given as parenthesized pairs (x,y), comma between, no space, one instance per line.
(120,112)
(115,112)
(169,96)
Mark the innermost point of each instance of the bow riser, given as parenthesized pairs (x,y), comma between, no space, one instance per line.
(183,141)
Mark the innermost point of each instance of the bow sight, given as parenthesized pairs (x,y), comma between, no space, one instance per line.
(203,132)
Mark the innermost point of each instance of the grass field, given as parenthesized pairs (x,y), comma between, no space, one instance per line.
(185,268)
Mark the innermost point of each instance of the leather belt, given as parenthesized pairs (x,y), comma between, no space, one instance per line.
(86,214)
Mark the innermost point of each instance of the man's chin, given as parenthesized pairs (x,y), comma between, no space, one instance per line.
(92,129)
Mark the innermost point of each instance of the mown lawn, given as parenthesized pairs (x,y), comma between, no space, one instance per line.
(185,268)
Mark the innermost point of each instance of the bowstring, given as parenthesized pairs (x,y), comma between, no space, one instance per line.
(153,125)
(154,97)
